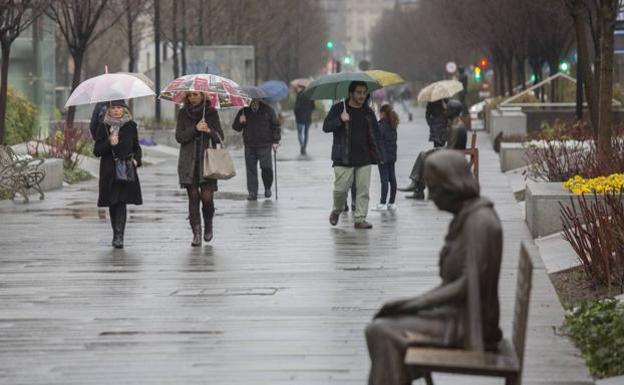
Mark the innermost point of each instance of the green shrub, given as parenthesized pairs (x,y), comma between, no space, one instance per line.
(20,118)
(597,328)
(75,175)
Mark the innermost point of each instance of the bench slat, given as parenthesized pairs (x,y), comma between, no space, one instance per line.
(464,361)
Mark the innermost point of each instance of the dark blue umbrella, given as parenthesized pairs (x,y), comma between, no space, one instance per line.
(276,89)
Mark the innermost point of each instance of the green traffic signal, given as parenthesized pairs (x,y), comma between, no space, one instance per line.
(329,44)
(347,60)
(564,66)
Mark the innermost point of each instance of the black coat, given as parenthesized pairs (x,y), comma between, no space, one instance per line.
(261,128)
(111,192)
(303,109)
(388,141)
(342,141)
(436,119)
(187,135)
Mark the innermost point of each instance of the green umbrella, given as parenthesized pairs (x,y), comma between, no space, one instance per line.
(336,86)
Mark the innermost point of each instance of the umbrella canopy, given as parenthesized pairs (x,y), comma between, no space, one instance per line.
(385,78)
(442,89)
(254,92)
(108,87)
(223,92)
(336,86)
(300,83)
(276,89)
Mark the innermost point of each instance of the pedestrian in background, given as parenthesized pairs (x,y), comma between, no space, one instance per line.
(436,119)
(198,127)
(388,123)
(354,149)
(303,118)
(261,133)
(117,138)
(457,138)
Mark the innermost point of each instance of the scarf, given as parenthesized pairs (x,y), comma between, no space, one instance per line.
(116,123)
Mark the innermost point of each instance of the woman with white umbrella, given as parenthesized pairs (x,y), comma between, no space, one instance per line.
(116,140)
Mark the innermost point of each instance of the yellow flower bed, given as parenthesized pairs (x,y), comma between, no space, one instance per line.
(600,185)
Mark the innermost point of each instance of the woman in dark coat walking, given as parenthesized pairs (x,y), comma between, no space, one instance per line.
(388,152)
(117,138)
(197,127)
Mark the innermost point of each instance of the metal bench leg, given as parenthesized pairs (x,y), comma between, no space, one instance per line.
(513,379)
(428,379)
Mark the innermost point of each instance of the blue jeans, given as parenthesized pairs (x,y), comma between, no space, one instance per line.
(388,177)
(302,133)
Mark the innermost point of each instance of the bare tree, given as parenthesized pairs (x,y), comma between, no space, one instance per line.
(594,22)
(79,23)
(15,17)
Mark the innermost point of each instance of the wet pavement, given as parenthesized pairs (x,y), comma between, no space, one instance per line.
(278,297)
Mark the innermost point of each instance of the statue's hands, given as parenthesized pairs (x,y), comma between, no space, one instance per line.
(391,308)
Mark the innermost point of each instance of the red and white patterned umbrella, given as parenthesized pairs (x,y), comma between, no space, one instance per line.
(223,92)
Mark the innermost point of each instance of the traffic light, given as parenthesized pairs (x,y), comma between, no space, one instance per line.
(477,73)
(347,60)
(483,62)
(564,66)
(329,44)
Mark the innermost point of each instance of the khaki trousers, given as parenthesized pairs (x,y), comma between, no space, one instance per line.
(342,183)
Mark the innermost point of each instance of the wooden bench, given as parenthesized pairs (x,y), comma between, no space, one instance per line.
(473,153)
(18,175)
(507,362)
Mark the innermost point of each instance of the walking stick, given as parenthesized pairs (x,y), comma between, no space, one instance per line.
(275,167)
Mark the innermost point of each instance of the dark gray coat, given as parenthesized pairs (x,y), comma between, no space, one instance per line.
(187,135)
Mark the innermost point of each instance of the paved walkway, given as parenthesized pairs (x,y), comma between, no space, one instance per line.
(278,297)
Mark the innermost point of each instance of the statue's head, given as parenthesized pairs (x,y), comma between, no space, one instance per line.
(449,180)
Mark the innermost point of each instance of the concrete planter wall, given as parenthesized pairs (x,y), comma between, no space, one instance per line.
(543,206)
(53,175)
(509,122)
(512,156)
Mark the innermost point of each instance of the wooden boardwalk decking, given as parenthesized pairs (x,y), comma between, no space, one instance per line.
(278,297)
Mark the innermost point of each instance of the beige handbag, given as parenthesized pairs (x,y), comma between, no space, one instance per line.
(217,162)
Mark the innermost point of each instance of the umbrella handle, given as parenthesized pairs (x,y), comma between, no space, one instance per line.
(344,105)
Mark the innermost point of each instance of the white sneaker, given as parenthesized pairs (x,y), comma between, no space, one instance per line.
(392,206)
(380,207)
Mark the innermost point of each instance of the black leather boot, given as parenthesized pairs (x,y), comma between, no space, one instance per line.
(196,236)
(208,215)
(112,212)
(120,226)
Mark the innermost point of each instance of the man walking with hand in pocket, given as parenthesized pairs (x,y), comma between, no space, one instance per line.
(261,134)
(354,150)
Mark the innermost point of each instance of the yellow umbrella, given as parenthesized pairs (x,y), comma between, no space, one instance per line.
(385,78)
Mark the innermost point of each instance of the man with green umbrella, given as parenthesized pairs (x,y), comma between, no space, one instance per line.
(354,150)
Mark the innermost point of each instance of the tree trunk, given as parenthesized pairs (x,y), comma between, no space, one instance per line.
(579,91)
(131,55)
(521,72)
(175,42)
(509,73)
(200,30)
(157,57)
(78,57)
(4,84)
(608,12)
(184,37)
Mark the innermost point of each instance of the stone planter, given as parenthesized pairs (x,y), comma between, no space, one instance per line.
(543,206)
(509,122)
(53,174)
(512,156)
